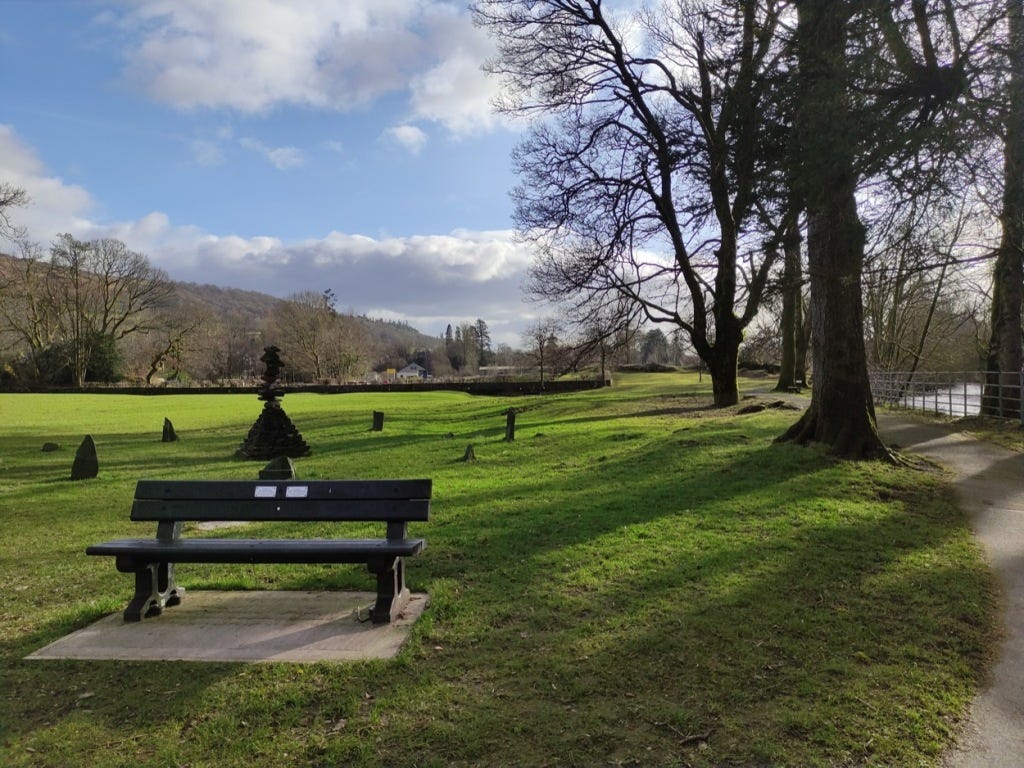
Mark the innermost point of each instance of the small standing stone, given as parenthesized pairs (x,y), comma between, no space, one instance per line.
(470,454)
(50,447)
(169,434)
(86,464)
(510,425)
(280,468)
(378,421)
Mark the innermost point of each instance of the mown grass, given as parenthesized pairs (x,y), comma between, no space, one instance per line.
(1008,433)
(637,579)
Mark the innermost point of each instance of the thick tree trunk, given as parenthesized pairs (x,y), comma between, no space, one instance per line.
(841,414)
(722,367)
(722,359)
(1002,390)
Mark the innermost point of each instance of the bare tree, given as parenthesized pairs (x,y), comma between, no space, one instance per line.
(128,286)
(173,338)
(229,348)
(304,325)
(605,329)
(11,196)
(541,339)
(349,348)
(101,291)
(29,318)
(914,279)
(318,341)
(651,176)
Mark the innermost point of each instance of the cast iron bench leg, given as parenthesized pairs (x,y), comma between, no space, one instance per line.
(392,594)
(154,589)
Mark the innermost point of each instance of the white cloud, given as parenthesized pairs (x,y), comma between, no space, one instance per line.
(206,153)
(256,55)
(427,280)
(251,55)
(56,206)
(281,158)
(455,91)
(409,137)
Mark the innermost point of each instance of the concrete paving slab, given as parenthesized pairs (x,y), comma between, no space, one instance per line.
(247,627)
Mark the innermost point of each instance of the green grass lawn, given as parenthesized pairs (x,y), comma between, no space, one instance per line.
(638,579)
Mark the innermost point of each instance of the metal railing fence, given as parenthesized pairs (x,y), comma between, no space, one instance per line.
(952,393)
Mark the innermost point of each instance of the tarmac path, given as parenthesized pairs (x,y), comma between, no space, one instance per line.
(989,482)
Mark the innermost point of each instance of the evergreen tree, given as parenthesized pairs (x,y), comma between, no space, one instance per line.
(483,340)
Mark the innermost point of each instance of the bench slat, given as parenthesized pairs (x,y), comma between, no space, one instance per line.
(258,550)
(305,509)
(339,490)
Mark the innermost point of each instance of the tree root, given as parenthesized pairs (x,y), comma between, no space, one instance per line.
(854,439)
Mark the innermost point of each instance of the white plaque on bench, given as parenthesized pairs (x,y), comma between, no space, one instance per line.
(296,491)
(266,491)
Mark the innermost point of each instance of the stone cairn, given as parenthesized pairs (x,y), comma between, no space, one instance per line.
(273,434)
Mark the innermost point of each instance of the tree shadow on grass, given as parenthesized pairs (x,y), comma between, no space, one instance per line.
(847,639)
(857,617)
(113,696)
(656,599)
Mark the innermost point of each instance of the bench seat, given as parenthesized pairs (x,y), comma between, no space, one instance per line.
(255,550)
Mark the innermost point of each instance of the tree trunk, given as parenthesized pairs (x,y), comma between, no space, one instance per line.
(1002,390)
(841,414)
(803,340)
(791,280)
(923,336)
(722,362)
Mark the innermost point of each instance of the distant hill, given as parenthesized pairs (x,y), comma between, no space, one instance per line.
(253,307)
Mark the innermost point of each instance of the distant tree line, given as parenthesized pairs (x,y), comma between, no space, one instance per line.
(82,312)
(64,317)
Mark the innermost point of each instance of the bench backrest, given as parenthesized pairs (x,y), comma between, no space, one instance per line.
(257,500)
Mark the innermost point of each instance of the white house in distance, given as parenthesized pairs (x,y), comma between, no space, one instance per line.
(412,371)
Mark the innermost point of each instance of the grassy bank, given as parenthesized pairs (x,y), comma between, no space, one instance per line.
(637,579)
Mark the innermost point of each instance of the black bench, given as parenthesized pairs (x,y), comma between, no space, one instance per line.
(169,503)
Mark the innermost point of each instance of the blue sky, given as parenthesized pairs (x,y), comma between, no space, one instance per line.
(272,145)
